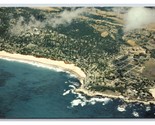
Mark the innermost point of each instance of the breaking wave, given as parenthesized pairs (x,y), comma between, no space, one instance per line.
(136,114)
(148,108)
(81,99)
(66,92)
(121,108)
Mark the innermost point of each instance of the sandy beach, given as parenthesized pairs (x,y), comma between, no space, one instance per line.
(43,62)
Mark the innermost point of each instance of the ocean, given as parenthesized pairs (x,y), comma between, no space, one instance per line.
(28,91)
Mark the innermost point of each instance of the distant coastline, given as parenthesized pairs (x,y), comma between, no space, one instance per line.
(71,68)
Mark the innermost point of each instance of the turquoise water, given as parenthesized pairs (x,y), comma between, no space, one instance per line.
(28,91)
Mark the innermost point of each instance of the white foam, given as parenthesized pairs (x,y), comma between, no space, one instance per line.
(66,93)
(83,104)
(136,114)
(74,83)
(77,102)
(72,75)
(82,100)
(103,103)
(95,99)
(72,86)
(148,108)
(80,96)
(93,102)
(121,108)
(100,99)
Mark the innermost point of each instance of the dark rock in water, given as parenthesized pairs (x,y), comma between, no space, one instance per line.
(4,76)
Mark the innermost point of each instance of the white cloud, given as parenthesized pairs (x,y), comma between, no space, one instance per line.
(66,17)
(139,17)
(21,27)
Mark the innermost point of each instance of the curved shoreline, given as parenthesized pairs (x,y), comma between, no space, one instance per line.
(71,68)
(46,63)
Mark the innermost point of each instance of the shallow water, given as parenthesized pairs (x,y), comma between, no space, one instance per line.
(28,91)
